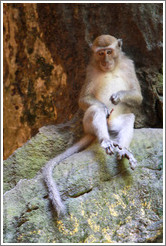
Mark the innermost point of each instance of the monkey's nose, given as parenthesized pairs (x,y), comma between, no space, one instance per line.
(104,63)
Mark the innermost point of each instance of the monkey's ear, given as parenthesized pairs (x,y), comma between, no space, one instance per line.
(120,43)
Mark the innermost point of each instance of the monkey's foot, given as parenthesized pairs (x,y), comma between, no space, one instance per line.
(126,153)
(109,146)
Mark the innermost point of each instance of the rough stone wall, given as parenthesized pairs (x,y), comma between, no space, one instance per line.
(46,50)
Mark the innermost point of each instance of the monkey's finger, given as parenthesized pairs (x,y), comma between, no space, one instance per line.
(114,102)
(112,99)
(115,99)
(133,163)
(117,145)
(109,151)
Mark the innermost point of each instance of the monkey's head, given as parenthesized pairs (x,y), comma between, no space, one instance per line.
(106,50)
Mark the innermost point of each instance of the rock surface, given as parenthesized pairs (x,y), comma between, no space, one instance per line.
(106,201)
(46,51)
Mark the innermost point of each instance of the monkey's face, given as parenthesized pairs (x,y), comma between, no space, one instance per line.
(106,59)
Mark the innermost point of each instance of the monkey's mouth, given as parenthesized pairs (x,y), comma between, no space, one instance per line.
(105,66)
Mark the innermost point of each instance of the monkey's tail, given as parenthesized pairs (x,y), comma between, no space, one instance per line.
(48,171)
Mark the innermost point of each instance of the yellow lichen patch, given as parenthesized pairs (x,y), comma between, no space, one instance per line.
(105,233)
(83,212)
(112,207)
(113,212)
(90,239)
(119,202)
(128,219)
(74,226)
(93,225)
(126,189)
(60,226)
(20,237)
(146,204)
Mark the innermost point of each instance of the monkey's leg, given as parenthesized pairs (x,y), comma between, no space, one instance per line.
(95,123)
(123,126)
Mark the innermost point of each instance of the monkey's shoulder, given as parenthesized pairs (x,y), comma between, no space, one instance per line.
(125,63)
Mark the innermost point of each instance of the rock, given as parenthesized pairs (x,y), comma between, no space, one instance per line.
(46,51)
(106,201)
(26,161)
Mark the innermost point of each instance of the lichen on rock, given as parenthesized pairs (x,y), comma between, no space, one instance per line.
(106,201)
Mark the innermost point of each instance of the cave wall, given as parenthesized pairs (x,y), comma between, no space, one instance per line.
(46,51)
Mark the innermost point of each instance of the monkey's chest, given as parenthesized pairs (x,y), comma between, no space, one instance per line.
(108,85)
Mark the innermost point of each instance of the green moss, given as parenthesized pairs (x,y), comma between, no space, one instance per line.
(29,159)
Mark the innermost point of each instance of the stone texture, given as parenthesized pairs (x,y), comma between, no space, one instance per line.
(46,50)
(106,201)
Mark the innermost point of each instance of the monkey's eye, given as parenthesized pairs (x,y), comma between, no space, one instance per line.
(109,52)
(101,53)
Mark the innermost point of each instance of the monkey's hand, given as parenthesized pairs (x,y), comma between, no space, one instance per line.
(110,146)
(115,98)
(126,153)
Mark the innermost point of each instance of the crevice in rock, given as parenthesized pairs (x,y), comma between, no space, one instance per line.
(155,169)
(22,221)
(81,193)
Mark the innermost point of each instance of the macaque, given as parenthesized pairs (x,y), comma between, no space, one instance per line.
(110,92)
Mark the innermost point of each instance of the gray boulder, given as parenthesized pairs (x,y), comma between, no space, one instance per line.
(106,201)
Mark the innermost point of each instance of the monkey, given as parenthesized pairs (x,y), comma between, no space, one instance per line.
(110,91)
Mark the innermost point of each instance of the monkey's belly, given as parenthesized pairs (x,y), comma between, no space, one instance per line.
(107,85)
(105,92)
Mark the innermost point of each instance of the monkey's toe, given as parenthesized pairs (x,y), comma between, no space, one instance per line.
(132,162)
(117,145)
(109,151)
(124,153)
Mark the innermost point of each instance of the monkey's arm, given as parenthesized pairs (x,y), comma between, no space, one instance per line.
(132,96)
(87,99)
